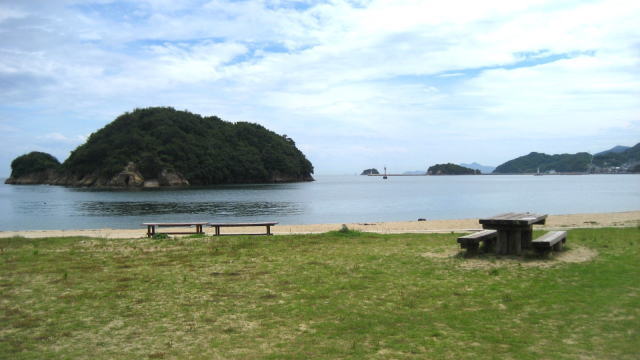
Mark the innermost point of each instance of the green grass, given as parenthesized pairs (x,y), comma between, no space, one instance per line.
(340,295)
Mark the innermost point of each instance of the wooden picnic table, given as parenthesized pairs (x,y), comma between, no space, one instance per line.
(151,228)
(515,231)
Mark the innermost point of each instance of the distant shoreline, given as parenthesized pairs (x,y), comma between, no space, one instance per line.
(526,174)
(568,221)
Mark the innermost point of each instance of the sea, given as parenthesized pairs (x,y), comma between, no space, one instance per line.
(329,199)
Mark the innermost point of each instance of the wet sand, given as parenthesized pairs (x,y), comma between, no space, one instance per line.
(617,219)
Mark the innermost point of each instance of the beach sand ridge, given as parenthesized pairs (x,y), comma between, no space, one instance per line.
(615,219)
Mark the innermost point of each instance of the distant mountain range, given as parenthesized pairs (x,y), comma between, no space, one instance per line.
(617,159)
(485,169)
(616,149)
(629,158)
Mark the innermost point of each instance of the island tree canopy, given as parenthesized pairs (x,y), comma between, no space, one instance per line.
(531,163)
(33,162)
(204,150)
(451,169)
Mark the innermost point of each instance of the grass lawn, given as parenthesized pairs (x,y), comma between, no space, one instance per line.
(330,296)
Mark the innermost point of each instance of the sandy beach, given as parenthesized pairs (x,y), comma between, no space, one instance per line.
(618,219)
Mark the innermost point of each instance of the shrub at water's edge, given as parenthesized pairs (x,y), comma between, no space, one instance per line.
(162,146)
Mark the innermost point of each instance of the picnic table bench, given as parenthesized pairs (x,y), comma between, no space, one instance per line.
(552,240)
(471,242)
(217,226)
(151,228)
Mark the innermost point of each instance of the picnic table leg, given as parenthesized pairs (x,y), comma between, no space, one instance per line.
(151,230)
(217,230)
(268,229)
(199,229)
(527,236)
(501,241)
(507,240)
(517,244)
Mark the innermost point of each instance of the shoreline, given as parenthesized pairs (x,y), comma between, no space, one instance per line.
(562,221)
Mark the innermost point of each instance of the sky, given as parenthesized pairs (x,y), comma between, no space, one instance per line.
(357,84)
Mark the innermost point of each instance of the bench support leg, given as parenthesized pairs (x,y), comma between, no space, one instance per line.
(268,230)
(151,230)
(559,245)
(490,245)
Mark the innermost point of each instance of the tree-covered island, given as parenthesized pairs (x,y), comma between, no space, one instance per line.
(372,171)
(161,146)
(451,169)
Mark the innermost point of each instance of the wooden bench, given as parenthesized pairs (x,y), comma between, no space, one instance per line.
(552,240)
(471,242)
(217,226)
(151,228)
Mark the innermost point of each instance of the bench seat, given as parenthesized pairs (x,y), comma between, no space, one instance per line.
(552,240)
(268,224)
(151,228)
(472,241)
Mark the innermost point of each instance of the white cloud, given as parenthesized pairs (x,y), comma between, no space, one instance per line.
(396,71)
(203,62)
(6,13)
(58,137)
(582,96)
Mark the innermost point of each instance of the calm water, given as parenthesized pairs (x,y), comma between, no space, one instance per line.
(330,199)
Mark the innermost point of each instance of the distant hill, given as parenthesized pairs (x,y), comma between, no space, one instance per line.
(531,163)
(485,169)
(617,157)
(451,169)
(161,146)
(625,158)
(616,149)
(371,171)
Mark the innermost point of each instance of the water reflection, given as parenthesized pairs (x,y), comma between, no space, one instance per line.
(227,187)
(225,208)
(38,207)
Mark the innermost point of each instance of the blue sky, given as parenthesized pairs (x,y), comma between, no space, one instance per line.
(356,84)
